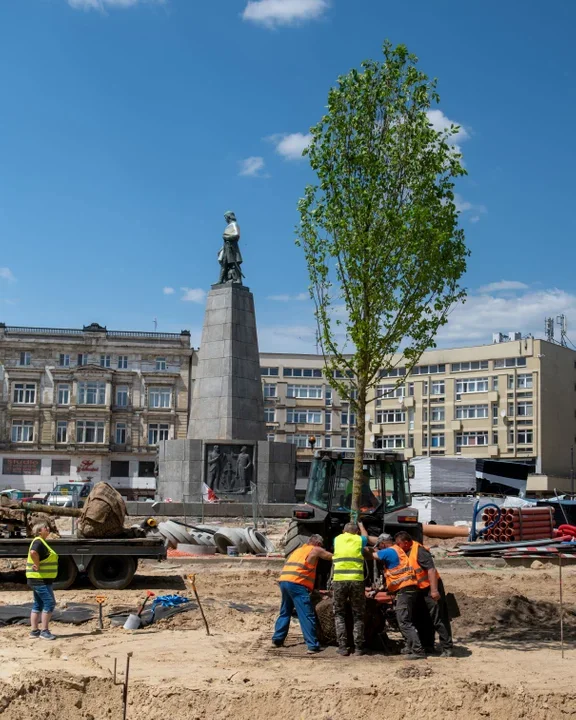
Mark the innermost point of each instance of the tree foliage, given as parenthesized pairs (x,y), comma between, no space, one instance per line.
(380,228)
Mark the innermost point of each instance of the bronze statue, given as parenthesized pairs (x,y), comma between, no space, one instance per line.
(243,466)
(214,468)
(229,256)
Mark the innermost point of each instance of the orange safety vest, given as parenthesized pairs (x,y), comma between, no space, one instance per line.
(299,569)
(402,575)
(421,573)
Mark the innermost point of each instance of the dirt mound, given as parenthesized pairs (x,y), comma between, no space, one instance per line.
(413,671)
(89,698)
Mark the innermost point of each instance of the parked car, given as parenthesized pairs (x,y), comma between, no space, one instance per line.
(69,494)
(14,494)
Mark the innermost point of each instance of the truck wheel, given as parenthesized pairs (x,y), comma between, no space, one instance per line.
(296,535)
(67,573)
(112,572)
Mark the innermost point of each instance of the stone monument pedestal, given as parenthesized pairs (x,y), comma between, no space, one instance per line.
(226,449)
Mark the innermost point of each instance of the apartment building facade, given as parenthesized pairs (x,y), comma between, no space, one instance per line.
(513,400)
(90,404)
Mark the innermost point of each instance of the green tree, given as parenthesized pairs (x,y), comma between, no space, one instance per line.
(380,228)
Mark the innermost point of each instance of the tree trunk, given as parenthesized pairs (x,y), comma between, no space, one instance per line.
(359,449)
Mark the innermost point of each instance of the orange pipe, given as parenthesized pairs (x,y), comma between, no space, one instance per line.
(445,531)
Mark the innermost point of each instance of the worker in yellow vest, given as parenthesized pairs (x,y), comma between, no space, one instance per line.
(401,582)
(296,583)
(41,570)
(348,586)
(431,592)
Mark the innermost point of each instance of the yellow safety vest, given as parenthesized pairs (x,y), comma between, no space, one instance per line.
(47,569)
(348,559)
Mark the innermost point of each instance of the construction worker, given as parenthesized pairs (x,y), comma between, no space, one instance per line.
(41,569)
(431,592)
(296,583)
(348,586)
(401,582)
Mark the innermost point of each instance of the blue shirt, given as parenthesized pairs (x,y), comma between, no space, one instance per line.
(389,557)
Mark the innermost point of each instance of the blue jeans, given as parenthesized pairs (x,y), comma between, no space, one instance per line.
(297,597)
(44,600)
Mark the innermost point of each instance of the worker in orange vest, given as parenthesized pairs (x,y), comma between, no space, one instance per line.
(296,583)
(401,582)
(431,592)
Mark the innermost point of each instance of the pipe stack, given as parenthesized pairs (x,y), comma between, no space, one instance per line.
(518,524)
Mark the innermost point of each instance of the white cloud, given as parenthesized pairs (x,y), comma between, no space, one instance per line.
(273,13)
(503,285)
(6,274)
(440,123)
(251,167)
(195,295)
(465,206)
(292,145)
(102,5)
(168,291)
(288,298)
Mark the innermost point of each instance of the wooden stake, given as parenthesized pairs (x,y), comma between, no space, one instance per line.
(125,693)
(192,579)
(561,607)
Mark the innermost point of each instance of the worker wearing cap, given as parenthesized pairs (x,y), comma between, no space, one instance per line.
(296,583)
(401,582)
(430,590)
(348,585)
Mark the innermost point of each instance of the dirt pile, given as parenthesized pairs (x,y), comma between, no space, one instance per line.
(98,699)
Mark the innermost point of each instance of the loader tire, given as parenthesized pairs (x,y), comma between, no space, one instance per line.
(296,536)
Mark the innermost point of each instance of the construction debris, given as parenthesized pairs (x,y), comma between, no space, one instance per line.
(243,540)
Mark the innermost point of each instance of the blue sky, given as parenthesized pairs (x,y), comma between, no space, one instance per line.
(128,127)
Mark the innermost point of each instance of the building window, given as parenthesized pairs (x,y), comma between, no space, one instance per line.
(525,409)
(494,414)
(348,418)
(340,374)
(24,393)
(390,442)
(395,372)
(160,363)
(25,358)
(348,443)
(438,387)
(425,440)
(157,432)
(469,439)
(328,395)
(390,391)
(91,393)
(302,441)
(495,382)
(438,414)
(22,431)
(310,417)
(524,381)
(472,412)
(509,362)
(390,416)
(122,396)
(159,397)
(119,468)
(64,360)
(105,361)
(269,415)
(472,385)
(122,362)
(411,441)
(63,394)
(494,437)
(305,391)
(269,390)
(467,366)
(410,389)
(271,437)
(428,369)
(425,388)
(525,437)
(89,431)
(511,436)
(328,421)
(146,469)
(61,432)
(60,467)
(302,372)
(271,371)
(82,359)
(328,441)
(437,441)
(120,433)
(411,414)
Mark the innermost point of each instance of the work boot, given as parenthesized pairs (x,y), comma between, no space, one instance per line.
(312,651)
(415,656)
(343,651)
(34,633)
(277,644)
(447,652)
(405,650)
